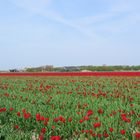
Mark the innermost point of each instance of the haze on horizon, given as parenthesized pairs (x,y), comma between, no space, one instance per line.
(69,32)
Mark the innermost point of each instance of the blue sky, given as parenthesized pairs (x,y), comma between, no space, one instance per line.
(69,32)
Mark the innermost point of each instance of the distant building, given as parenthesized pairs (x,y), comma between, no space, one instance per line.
(71,68)
(14,70)
(46,68)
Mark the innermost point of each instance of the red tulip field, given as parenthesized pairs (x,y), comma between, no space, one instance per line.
(70,107)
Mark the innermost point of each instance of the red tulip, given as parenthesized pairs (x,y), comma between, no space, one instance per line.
(55,138)
(98,124)
(122,132)
(111,129)
(137,135)
(43,130)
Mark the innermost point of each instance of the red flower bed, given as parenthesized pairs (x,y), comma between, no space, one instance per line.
(60,108)
(73,74)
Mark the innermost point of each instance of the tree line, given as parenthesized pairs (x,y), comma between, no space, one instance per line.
(84,68)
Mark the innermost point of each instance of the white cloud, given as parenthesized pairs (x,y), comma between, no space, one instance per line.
(32,5)
(41,7)
(117,8)
(88,25)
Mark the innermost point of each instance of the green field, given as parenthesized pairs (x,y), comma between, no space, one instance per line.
(69,108)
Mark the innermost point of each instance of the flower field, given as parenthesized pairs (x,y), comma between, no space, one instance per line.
(70,107)
(131,73)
